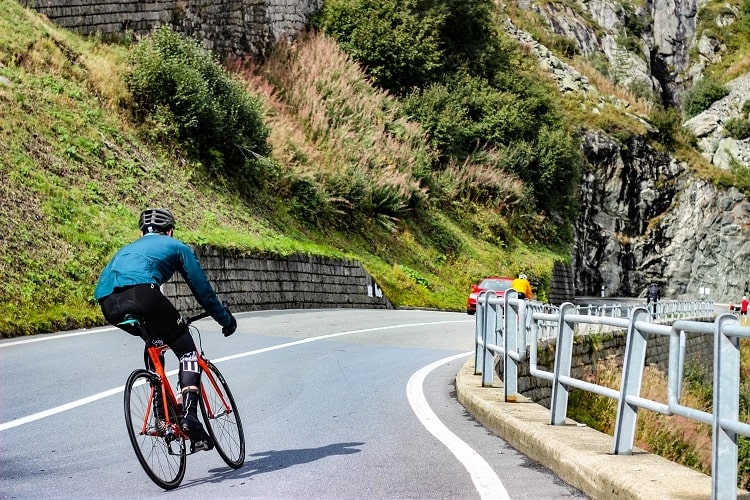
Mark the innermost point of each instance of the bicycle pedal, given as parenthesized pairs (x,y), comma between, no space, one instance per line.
(196,446)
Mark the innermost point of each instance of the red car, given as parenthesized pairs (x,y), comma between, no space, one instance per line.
(497,283)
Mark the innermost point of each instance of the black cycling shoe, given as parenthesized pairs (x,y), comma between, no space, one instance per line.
(199,438)
(204,445)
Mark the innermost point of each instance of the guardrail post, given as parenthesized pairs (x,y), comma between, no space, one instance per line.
(563,361)
(510,344)
(726,408)
(479,327)
(490,338)
(632,376)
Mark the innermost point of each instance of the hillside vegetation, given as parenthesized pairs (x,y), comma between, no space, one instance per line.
(345,173)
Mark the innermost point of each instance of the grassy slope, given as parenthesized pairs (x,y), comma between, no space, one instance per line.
(74,175)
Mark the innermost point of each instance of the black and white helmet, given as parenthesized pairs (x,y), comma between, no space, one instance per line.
(156,220)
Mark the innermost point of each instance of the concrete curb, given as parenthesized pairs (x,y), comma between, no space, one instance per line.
(579,455)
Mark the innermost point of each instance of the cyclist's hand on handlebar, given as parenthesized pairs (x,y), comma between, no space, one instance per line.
(229,330)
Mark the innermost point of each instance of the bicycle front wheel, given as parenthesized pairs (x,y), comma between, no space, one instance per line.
(162,457)
(222,418)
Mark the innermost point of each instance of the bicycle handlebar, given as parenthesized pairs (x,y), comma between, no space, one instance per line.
(202,315)
(195,318)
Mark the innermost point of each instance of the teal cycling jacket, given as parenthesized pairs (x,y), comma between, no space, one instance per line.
(153,259)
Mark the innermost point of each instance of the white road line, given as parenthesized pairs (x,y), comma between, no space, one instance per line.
(31,340)
(484,477)
(90,399)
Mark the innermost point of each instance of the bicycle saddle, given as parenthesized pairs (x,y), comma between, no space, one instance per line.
(130,320)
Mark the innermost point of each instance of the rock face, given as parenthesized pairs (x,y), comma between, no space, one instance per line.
(626,187)
(645,218)
(709,127)
(647,48)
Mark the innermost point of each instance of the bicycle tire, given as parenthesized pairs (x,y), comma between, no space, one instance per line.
(225,427)
(163,458)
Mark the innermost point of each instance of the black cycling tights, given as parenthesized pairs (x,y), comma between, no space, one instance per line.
(162,322)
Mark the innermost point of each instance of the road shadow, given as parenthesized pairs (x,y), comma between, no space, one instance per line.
(273,460)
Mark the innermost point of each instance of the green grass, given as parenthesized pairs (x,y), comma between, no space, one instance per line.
(76,169)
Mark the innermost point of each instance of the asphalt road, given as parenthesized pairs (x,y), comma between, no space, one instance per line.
(336,404)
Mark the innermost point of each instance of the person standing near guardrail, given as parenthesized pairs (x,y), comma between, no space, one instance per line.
(653,294)
(743,306)
(522,286)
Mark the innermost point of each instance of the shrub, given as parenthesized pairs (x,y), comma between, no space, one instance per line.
(745,14)
(173,79)
(741,176)
(704,93)
(441,236)
(469,37)
(483,184)
(667,123)
(310,201)
(636,24)
(398,45)
(467,113)
(738,128)
(411,43)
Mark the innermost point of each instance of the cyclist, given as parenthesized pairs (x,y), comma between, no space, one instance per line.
(522,286)
(653,294)
(130,284)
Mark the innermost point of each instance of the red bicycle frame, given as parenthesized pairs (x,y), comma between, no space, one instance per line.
(156,354)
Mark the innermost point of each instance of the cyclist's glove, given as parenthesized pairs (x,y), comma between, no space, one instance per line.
(229,330)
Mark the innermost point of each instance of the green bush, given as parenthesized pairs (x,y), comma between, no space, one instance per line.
(467,113)
(451,67)
(173,80)
(737,128)
(559,161)
(667,123)
(469,117)
(704,93)
(310,201)
(740,176)
(411,43)
(469,37)
(394,40)
(441,236)
(635,24)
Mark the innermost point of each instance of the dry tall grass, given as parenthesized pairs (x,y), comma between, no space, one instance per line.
(673,437)
(330,123)
(608,87)
(342,113)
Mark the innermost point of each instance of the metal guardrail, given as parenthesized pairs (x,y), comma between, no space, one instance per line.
(509,326)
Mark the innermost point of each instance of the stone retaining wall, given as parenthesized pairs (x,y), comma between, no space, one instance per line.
(254,282)
(561,288)
(225,27)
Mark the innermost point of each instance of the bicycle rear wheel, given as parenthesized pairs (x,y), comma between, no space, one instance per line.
(222,418)
(162,457)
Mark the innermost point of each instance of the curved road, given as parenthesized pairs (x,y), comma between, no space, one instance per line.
(336,404)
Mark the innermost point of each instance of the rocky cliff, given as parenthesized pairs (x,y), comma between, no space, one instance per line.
(644,215)
(647,46)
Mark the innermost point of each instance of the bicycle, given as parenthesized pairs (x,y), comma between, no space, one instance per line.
(160,444)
